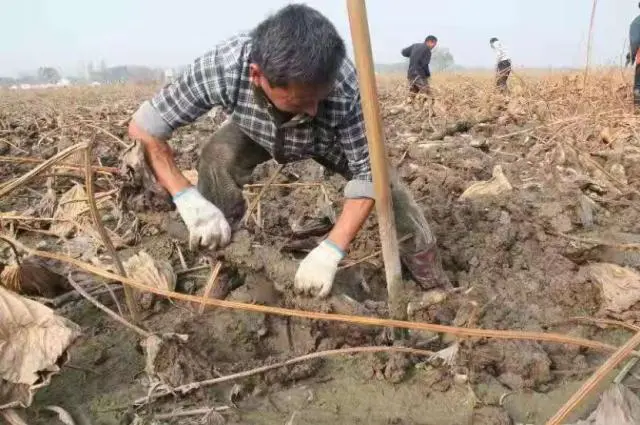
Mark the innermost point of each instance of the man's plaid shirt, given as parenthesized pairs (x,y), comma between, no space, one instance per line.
(336,135)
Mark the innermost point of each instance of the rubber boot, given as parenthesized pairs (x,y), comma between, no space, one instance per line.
(425,268)
(419,254)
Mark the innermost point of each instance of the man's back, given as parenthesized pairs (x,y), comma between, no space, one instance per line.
(419,56)
(500,51)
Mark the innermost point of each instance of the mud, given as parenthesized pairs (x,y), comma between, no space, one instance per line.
(503,254)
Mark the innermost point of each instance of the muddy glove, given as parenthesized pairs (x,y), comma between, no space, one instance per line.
(316,272)
(206,223)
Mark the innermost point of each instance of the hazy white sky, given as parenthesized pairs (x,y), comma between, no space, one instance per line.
(540,33)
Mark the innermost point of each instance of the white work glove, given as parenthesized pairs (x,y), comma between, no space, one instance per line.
(206,223)
(316,272)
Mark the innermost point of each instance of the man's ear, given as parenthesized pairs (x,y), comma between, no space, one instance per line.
(255,73)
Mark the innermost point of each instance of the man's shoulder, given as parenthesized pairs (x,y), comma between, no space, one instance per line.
(346,87)
(232,51)
(419,47)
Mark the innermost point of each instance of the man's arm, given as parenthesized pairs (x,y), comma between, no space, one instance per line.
(354,214)
(426,60)
(359,193)
(406,52)
(316,272)
(159,156)
(199,89)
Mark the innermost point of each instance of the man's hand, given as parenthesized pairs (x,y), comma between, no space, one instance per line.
(206,223)
(316,272)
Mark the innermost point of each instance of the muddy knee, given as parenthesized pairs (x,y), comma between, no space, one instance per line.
(215,172)
(226,162)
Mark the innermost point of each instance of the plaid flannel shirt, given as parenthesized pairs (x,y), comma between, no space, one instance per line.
(335,136)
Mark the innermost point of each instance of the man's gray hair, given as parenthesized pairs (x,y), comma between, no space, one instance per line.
(297,45)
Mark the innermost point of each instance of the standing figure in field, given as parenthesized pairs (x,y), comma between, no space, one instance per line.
(419,55)
(503,64)
(634,56)
(291,94)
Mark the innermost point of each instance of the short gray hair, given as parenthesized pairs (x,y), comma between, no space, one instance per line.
(297,45)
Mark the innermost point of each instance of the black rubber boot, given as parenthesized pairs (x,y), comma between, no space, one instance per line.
(425,268)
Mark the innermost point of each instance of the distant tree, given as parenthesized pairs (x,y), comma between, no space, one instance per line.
(131,73)
(47,74)
(442,59)
(7,81)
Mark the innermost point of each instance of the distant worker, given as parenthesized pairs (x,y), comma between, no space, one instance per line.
(419,55)
(634,41)
(503,64)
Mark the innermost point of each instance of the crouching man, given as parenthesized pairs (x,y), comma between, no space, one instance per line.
(291,94)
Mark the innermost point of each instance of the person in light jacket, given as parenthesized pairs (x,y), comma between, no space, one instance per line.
(503,64)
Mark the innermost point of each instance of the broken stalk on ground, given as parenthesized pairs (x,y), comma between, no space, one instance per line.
(360,320)
(213,279)
(128,292)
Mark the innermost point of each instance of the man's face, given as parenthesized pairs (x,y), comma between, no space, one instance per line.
(431,44)
(294,98)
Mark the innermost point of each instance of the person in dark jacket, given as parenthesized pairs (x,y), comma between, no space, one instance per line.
(634,41)
(419,55)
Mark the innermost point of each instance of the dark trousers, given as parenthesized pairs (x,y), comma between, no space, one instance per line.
(419,85)
(502,74)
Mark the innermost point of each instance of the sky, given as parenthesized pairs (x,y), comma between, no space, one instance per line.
(541,33)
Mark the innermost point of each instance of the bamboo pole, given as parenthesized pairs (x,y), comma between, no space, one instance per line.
(378,156)
(589,41)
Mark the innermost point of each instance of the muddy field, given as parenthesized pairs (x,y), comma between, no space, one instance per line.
(565,158)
